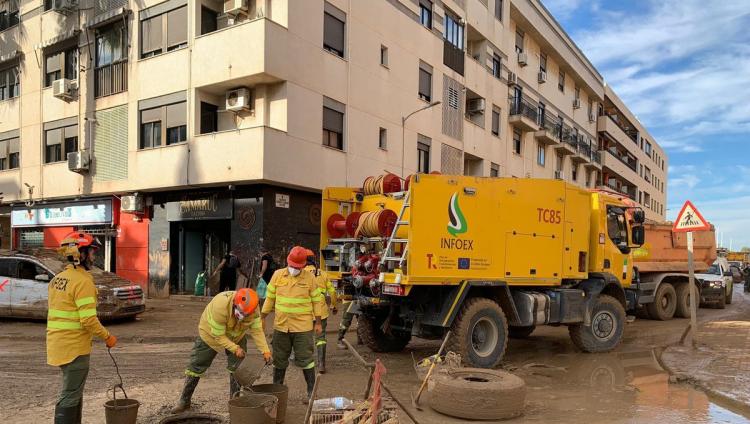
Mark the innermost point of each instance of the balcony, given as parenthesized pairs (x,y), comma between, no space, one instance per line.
(453,57)
(584,152)
(550,132)
(596,160)
(569,145)
(523,114)
(612,162)
(608,125)
(111,79)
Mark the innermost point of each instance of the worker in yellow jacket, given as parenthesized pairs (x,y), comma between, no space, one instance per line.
(296,299)
(326,288)
(72,322)
(223,327)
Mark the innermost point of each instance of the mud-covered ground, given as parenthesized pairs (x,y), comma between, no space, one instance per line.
(563,385)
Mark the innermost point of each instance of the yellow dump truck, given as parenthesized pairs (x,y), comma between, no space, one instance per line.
(487,258)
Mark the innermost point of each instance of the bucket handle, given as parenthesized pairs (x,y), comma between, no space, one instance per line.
(114,392)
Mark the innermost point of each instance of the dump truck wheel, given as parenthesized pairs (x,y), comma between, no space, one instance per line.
(480,333)
(369,330)
(683,300)
(478,394)
(605,331)
(521,332)
(664,304)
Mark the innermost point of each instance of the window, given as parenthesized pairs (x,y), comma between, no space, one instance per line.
(333,30)
(61,64)
(209,118)
(574,173)
(383,139)
(577,94)
(648,149)
(541,111)
(541,153)
(333,128)
(454,32)
(8,14)
(591,110)
(164,123)
(209,20)
(499,10)
(58,142)
(111,45)
(425,13)
(423,156)
(588,178)
(616,227)
(164,32)
(9,83)
(9,153)
(384,56)
(495,121)
(561,82)
(425,81)
(494,170)
(519,41)
(496,66)
(542,62)
(452,98)
(516,142)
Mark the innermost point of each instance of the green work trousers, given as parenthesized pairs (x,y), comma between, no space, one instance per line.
(321,339)
(301,343)
(203,355)
(74,378)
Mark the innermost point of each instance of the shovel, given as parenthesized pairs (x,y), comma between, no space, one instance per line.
(415,400)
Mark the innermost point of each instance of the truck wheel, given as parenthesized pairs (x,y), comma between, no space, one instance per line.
(730,295)
(683,300)
(605,331)
(521,332)
(478,394)
(480,333)
(664,304)
(369,330)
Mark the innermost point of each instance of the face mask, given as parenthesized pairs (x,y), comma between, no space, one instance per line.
(293,271)
(363,249)
(238,314)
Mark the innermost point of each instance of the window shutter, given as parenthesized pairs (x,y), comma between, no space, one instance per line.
(151,115)
(176,115)
(4,149)
(333,120)
(177,26)
(425,82)
(495,122)
(334,32)
(14,145)
(71,131)
(53,137)
(151,30)
(53,62)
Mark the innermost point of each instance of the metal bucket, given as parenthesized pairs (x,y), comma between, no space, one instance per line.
(121,411)
(253,408)
(193,418)
(280,391)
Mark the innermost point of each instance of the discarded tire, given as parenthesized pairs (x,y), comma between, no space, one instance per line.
(478,394)
(664,304)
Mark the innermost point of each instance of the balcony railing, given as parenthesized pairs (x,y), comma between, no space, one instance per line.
(596,156)
(111,79)
(453,57)
(525,107)
(630,132)
(552,124)
(624,158)
(568,136)
(584,148)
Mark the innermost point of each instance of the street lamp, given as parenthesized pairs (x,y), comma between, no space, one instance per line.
(403,131)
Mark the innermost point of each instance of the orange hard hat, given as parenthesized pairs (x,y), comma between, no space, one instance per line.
(310,253)
(246,300)
(297,257)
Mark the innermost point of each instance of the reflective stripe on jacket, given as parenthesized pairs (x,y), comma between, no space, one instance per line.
(326,288)
(220,329)
(296,301)
(71,316)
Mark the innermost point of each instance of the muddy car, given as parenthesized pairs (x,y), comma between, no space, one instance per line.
(24,277)
(716,284)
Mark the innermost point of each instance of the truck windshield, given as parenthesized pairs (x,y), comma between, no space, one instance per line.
(714,269)
(617,228)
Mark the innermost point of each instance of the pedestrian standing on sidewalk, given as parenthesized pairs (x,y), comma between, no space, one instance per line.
(296,301)
(746,273)
(228,269)
(267,268)
(223,327)
(72,322)
(325,286)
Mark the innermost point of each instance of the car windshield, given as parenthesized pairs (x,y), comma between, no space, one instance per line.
(714,269)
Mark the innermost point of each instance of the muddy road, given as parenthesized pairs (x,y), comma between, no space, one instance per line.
(563,385)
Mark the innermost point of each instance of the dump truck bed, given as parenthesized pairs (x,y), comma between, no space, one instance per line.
(666,251)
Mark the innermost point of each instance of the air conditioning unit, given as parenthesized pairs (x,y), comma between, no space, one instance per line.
(64,89)
(133,203)
(475,106)
(592,118)
(78,161)
(541,77)
(512,78)
(238,99)
(234,7)
(64,6)
(576,103)
(522,59)
(559,175)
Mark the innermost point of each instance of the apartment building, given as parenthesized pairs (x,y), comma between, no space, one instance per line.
(180,129)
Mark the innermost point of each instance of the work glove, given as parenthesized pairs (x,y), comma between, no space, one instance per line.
(239,352)
(110,341)
(267,357)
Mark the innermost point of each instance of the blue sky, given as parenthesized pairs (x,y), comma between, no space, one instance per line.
(683,68)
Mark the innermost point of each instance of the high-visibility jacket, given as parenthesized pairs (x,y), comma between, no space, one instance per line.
(221,330)
(296,301)
(71,316)
(325,286)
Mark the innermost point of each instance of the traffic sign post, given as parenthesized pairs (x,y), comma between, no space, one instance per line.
(689,220)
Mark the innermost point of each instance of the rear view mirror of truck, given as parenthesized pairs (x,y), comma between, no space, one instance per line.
(639,216)
(639,235)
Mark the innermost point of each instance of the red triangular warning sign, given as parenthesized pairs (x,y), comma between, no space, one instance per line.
(689,219)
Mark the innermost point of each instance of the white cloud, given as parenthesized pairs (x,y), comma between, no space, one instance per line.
(562,9)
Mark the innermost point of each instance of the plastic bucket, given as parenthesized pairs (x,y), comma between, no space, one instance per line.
(121,411)
(253,408)
(280,391)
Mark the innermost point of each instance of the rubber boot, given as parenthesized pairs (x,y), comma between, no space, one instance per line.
(66,415)
(310,380)
(234,386)
(340,341)
(187,394)
(79,413)
(278,376)
(322,359)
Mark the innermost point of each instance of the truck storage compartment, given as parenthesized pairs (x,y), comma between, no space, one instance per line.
(567,306)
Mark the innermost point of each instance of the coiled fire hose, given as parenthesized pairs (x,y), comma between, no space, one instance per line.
(376,223)
(382,184)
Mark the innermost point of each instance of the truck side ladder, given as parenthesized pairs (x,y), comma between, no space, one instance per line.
(389,255)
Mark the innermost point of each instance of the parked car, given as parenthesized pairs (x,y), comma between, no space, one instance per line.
(717,284)
(24,276)
(736,271)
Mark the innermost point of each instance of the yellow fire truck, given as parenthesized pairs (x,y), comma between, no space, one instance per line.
(487,258)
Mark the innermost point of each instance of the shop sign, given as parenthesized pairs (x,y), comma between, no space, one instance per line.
(79,213)
(198,208)
(282,200)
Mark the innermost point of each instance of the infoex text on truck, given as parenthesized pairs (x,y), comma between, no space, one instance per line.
(487,258)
